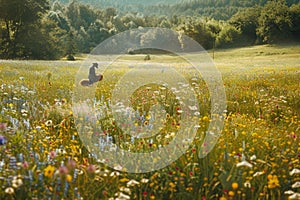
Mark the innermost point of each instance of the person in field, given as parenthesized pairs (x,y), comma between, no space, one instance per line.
(92,74)
(93,77)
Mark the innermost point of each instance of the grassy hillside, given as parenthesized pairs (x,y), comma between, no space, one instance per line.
(260,55)
(282,55)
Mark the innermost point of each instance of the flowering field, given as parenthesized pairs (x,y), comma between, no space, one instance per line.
(257,156)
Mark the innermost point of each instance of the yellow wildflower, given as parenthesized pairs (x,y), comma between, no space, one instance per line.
(172,185)
(49,170)
(69,178)
(234,185)
(231,193)
(273,181)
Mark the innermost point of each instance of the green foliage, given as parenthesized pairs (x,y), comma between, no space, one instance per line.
(147,57)
(246,21)
(26,34)
(197,30)
(227,35)
(59,17)
(295,17)
(70,46)
(217,9)
(274,22)
(34,30)
(80,15)
(48,41)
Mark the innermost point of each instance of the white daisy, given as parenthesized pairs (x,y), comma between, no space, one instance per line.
(132,183)
(289,192)
(9,190)
(244,164)
(296,185)
(295,171)
(258,174)
(295,196)
(144,180)
(48,123)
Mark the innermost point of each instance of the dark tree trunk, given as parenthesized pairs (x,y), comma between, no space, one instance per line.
(7,40)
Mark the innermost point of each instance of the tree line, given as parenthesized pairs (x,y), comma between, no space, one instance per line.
(36,29)
(217,9)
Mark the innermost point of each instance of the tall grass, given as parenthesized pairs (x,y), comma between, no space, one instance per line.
(257,156)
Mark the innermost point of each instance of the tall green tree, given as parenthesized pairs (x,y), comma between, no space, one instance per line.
(70,45)
(246,21)
(79,15)
(295,17)
(197,29)
(227,35)
(19,18)
(274,22)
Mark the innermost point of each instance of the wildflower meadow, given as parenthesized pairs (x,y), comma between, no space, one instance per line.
(42,155)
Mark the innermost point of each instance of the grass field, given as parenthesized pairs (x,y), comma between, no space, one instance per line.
(42,154)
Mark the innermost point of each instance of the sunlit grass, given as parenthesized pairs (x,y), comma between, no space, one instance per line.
(257,156)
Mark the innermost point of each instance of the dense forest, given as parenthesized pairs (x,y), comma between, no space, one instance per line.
(217,9)
(42,29)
